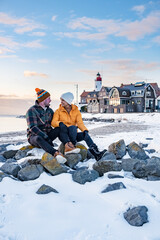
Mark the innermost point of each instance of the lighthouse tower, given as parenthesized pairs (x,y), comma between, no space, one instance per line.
(98,82)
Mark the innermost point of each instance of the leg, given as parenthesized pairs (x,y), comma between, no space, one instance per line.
(54,133)
(38,141)
(92,146)
(63,135)
(86,137)
(72,131)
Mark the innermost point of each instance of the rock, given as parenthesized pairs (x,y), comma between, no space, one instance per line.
(73,159)
(114,186)
(45,189)
(22,152)
(30,172)
(84,175)
(2,159)
(110,175)
(83,150)
(3,148)
(28,147)
(11,160)
(11,169)
(118,148)
(51,165)
(139,169)
(103,166)
(10,153)
(135,151)
(153,178)
(143,145)
(136,216)
(109,156)
(150,150)
(128,164)
(149,167)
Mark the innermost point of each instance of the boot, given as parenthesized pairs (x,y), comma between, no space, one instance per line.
(70,148)
(96,153)
(59,157)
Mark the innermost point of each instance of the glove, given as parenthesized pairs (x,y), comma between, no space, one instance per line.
(62,125)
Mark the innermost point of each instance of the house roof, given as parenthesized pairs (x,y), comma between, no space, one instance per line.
(124,92)
(156,88)
(92,93)
(84,94)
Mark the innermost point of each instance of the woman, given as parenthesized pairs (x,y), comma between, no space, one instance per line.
(68,118)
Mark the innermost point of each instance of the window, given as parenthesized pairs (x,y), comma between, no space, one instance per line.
(132,92)
(138,92)
(124,93)
(148,94)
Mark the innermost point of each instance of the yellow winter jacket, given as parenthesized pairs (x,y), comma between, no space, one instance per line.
(74,118)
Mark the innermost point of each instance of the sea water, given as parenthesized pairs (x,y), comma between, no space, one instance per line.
(12,124)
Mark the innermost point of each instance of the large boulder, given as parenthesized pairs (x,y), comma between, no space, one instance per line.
(147,168)
(30,172)
(10,153)
(109,156)
(128,164)
(136,152)
(52,166)
(103,166)
(118,148)
(83,150)
(73,159)
(136,216)
(84,175)
(11,169)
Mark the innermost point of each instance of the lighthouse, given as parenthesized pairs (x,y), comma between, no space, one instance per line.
(98,82)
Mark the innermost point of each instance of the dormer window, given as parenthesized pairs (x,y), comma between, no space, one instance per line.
(124,93)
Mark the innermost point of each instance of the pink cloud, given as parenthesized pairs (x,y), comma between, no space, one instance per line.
(23,24)
(95,29)
(35,74)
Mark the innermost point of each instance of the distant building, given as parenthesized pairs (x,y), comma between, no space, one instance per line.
(98,82)
(138,97)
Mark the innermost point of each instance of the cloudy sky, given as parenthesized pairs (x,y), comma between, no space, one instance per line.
(56,44)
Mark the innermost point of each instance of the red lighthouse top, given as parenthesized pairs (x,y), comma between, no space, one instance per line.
(98,78)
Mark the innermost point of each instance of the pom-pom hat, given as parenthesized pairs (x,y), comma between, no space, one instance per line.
(41,94)
(68,97)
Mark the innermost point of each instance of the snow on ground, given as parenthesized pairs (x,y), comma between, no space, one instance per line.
(82,212)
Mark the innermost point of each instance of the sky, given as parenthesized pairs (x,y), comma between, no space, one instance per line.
(61,44)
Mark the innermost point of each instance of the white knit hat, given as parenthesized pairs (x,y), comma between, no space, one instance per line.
(68,97)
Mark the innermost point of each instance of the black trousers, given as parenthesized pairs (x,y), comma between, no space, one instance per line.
(39,141)
(70,134)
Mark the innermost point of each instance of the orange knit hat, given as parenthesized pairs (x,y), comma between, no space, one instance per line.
(41,94)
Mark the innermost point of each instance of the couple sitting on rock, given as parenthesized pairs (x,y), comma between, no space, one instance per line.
(44,126)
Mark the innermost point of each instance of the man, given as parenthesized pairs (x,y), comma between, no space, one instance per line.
(68,118)
(39,132)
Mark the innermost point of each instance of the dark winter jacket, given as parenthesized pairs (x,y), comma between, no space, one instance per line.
(39,121)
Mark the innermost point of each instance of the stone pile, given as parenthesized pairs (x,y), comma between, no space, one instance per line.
(136,161)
